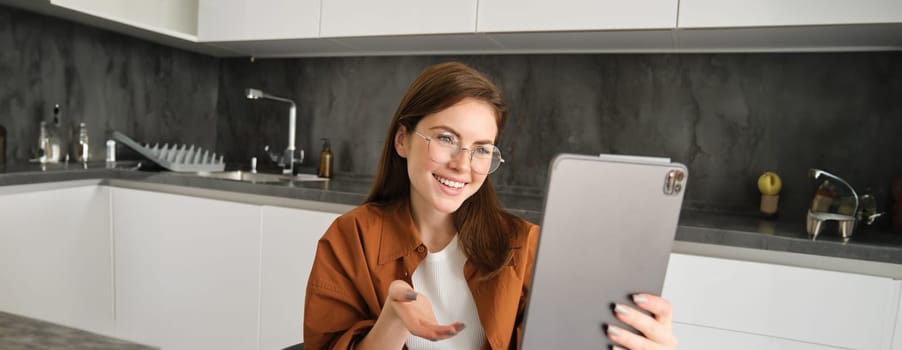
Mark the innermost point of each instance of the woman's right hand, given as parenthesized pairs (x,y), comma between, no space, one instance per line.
(414,311)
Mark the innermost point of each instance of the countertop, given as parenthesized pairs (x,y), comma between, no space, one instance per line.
(23,333)
(709,233)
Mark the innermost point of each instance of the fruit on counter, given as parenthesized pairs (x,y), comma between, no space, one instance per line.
(769,184)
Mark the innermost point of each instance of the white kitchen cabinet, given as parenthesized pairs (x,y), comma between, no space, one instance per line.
(573,26)
(237,20)
(790,304)
(187,270)
(56,257)
(289,245)
(177,18)
(897,334)
(357,18)
(709,338)
(575,15)
(769,13)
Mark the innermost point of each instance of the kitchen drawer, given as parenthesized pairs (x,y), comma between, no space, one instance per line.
(807,305)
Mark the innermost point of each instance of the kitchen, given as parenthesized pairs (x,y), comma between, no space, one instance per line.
(731,94)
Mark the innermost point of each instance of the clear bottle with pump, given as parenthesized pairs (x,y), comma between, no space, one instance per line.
(81,147)
(325,160)
(53,144)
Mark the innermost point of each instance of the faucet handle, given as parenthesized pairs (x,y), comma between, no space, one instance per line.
(868,211)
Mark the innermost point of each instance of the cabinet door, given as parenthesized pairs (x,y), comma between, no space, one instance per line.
(171,17)
(737,13)
(55,256)
(544,15)
(707,338)
(232,20)
(806,305)
(289,245)
(347,18)
(897,334)
(187,270)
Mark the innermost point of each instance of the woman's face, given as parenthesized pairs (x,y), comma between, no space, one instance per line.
(443,187)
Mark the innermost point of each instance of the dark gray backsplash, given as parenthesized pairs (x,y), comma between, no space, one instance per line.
(729,117)
(109,81)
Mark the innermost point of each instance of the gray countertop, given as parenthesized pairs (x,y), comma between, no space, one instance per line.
(23,333)
(871,244)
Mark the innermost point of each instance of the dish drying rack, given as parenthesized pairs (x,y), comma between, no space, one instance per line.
(182,158)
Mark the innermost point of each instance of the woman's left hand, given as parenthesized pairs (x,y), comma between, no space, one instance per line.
(657,328)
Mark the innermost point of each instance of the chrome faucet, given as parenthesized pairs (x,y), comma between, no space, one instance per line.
(818,216)
(288,156)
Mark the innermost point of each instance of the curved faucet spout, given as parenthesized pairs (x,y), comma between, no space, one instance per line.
(255,94)
(816,173)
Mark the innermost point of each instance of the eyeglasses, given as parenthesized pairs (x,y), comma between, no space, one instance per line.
(443,146)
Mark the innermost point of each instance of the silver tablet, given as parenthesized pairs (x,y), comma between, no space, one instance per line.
(607,231)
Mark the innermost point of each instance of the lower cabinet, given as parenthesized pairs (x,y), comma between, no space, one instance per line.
(195,273)
(289,245)
(707,338)
(897,334)
(187,270)
(55,258)
(730,304)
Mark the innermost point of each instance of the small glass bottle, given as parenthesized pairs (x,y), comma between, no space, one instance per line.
(325,160)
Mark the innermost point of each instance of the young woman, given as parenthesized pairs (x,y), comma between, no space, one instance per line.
(431,260)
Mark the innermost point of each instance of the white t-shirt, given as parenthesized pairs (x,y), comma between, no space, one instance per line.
(440,277)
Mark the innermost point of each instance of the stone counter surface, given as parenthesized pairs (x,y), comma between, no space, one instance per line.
(710,229)
(23,333)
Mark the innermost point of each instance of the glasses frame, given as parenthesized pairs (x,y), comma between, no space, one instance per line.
(471,152)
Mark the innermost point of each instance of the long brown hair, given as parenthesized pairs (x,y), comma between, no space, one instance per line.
(484,228)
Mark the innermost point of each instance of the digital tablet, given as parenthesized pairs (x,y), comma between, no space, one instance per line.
(607,230)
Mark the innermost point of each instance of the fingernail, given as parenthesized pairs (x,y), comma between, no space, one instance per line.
(411,295)
(613,331)
(459,327)
(615,347)
(620,309)
(639,299)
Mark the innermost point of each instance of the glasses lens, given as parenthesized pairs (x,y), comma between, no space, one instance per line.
(485,159)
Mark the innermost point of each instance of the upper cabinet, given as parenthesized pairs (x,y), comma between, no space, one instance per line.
(176,18)
(401,27)
(240,20)
(542,26)
(356,18)
(575,15)
(304,28)
(168,22)
(766,13)
(800,25)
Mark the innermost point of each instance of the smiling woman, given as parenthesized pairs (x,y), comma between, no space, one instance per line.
(431,260)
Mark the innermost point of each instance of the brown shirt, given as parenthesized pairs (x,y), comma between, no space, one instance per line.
(369,247)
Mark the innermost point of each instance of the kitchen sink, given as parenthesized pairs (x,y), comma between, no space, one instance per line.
(238,175)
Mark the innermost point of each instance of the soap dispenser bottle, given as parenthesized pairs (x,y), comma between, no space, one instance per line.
(53,145)
(81,147)
(325,160)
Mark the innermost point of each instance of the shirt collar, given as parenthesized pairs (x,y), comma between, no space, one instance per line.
(399,235)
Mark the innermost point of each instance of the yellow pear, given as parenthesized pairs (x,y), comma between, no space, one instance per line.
(769,184)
